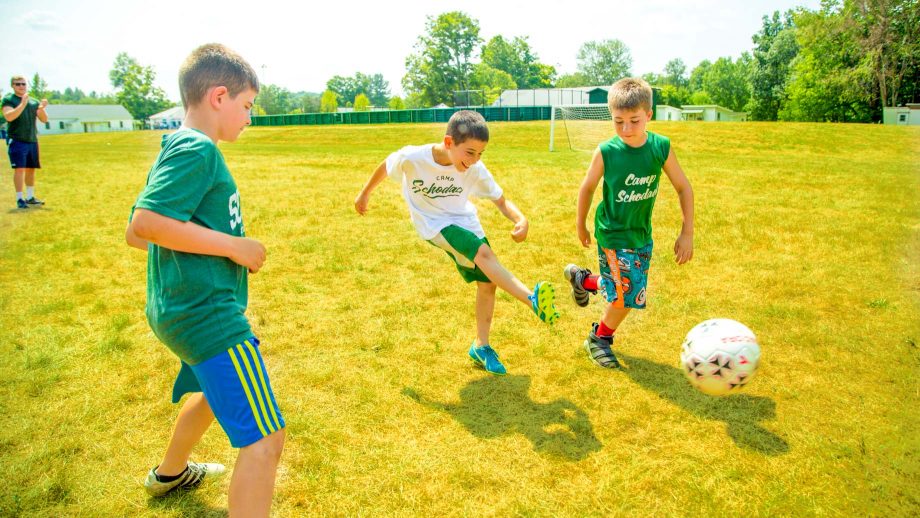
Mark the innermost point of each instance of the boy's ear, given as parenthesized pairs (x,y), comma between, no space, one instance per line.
(448,141)
(217,96)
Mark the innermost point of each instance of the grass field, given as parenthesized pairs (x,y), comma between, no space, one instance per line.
(808,233)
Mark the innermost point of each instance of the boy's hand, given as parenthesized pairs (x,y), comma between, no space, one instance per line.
(25,98)
(519,232)
(41,105)
(584,237)
(361,203)
(249,253)
(683,248)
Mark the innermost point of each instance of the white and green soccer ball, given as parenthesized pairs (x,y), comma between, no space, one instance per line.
(720,356)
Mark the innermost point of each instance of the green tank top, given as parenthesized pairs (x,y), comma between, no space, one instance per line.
(196,304)
(631,177)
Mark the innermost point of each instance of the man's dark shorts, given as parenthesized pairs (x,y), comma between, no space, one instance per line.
(23,154)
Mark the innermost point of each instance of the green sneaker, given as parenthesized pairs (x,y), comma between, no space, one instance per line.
(486,357)
(191,478)
(543,302)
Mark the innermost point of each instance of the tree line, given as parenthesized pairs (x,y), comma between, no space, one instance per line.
(842,62)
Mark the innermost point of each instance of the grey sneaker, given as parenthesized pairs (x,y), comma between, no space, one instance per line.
(34,201)
(599,350)
(189,479)
(576,277)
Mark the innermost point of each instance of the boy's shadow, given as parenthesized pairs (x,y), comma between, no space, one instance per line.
(492,407)
(740,412)
(186,503)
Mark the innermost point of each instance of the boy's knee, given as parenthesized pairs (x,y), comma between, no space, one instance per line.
(488,286)
(484,253)
(269,447)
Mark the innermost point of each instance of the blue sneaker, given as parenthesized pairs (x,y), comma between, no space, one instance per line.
(487,358)
(21,204)
(543,302)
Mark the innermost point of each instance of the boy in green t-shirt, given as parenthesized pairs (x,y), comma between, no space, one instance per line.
(630,166)
(188,220)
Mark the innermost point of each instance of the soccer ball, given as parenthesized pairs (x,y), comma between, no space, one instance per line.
(720,356)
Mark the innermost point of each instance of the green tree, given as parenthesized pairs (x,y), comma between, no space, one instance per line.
(135,89)
(396,103)
(276,100)
(775,48)
(726,82)
(675,73)
(604,62)
(695,83)
(362,103)
(888,33)
(518,60)
(575,80)
(328,102)
(443,61)
(375,87)
(491,81)
(39,88)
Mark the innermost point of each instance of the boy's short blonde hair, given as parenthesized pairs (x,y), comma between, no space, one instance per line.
(212,65)
(14,78)
(630,93)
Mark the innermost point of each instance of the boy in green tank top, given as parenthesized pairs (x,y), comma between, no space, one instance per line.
(630,166)
(188,219)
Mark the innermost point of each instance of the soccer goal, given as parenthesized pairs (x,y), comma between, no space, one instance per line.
(579,126)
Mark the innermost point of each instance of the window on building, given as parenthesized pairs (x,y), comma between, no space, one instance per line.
(61,123)
(902,117)
(121,124)
(47,125)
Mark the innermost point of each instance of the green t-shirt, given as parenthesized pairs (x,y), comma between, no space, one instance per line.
(631,176)
(196,304)
(22,128)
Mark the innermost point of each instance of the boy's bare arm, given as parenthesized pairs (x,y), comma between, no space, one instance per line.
(683,247)
(364,197)
(185,236)
(132,239)
(40,113)
(585,194)
(514,214)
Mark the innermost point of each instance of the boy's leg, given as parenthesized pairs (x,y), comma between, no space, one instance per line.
(487,262)
(18,177)
(485,307)
(253,482)
(194,419)
(613,316)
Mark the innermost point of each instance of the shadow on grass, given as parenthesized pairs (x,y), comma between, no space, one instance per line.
(495,406)
(740,412)
(186,503)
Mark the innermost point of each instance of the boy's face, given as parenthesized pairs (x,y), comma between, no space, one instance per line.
(20,86)
(234,114)
(465,154)
(630,125)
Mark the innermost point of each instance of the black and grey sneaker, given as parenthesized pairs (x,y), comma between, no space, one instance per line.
(576,277)
(21,204)
(191,478)
(34,201)
(599,349)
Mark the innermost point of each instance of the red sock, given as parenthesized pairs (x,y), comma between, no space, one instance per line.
(603,330)
(590,282)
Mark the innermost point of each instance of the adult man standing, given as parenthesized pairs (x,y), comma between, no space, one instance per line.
(20,113)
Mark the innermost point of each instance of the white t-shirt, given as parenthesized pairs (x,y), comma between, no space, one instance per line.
(438,195)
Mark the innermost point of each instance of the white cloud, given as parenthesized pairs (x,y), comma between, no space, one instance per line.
(40,20)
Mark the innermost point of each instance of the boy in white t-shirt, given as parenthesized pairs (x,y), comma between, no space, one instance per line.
(437,181)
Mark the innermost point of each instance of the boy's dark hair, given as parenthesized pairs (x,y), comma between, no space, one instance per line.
(630,93)
(212,65)
(467,124)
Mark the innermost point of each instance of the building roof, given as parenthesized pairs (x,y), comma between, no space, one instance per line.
(88,112)
(176,112)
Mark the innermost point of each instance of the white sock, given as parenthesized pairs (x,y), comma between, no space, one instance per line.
(30,192)
(19,196)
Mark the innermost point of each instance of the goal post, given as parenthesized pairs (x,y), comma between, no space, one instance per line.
(578,126)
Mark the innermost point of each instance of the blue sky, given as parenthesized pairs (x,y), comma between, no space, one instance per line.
(300,45)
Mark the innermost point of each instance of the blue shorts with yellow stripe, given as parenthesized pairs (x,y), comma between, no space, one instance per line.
(237,388)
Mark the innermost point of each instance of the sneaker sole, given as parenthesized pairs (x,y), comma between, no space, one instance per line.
(546,297)
(569,276)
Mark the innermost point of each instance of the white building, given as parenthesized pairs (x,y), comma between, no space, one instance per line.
(902,115)
(710,112)
(85,118)
(167,119)
(663,112)
(553,96)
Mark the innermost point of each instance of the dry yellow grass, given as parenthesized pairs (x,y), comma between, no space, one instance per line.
(808,233)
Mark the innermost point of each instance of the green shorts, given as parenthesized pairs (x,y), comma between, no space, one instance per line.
(462,245)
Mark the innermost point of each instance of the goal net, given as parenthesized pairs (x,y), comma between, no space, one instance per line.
(579,127)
